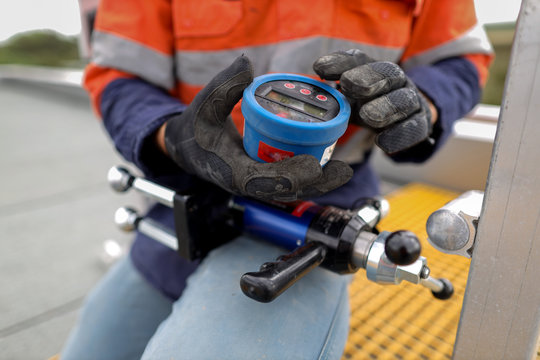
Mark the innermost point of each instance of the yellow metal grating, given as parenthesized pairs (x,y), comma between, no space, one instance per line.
(406,321)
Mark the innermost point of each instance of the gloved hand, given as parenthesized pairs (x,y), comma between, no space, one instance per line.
(204,141)
(382,97)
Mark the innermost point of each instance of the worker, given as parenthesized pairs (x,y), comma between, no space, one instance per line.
(165,78)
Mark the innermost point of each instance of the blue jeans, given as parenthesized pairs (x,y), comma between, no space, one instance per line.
(125,318)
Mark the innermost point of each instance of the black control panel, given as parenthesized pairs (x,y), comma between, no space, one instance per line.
(297,101)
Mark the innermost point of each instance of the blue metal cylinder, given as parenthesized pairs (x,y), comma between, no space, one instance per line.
(284,225)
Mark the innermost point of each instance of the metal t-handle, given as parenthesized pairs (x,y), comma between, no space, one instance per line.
(122,180)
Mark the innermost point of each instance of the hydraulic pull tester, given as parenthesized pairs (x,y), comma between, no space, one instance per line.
(287,115)
(342,241)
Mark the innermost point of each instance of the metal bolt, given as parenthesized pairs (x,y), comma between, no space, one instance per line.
(425,272)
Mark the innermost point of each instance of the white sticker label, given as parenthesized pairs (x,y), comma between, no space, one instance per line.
(328,154)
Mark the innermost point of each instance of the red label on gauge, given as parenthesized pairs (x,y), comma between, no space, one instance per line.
(271,154)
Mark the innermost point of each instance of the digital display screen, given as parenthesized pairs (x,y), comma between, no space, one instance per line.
(296,104)
(287,112)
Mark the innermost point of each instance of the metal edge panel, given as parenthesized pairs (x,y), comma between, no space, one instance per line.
(501,308)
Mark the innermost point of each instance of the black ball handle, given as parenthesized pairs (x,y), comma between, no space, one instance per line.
(446,292)
(402,247)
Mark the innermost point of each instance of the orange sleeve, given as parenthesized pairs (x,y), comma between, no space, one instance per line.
(481,62)
(138,25)
(445,28)
(148,22)
(96,78)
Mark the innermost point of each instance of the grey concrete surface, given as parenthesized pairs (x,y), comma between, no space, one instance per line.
(56,210)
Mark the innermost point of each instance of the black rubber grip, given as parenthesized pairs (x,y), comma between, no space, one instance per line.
(402,247)
(446,292)
(274,278)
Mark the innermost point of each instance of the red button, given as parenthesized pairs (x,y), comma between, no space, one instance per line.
(321,97)
(305,91)
(289,86)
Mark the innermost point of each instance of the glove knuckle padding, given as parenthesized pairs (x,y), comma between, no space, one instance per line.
(371,80)
(404,134)
(330,67)
(270,188)
(297,177)
(389,70)
(388,102)
(282,177)
(404,100)
(390,108)
(211,116)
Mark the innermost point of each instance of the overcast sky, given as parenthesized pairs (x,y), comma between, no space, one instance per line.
(63,15)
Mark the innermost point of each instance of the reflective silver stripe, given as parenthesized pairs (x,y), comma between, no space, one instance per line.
(295,56)
(472,42)
(127,55)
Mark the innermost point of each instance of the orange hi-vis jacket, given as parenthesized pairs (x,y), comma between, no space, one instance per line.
(180,45)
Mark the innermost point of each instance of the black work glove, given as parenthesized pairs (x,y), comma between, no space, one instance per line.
(382,97)
(204,141)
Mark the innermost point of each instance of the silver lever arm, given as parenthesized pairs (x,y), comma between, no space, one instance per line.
(128,220)
(122,180)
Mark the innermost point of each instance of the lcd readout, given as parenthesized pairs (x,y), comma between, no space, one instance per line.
(296,104)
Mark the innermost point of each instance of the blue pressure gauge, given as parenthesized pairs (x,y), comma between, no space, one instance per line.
(287,115)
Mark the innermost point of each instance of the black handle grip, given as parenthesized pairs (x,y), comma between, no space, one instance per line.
(402,247)
(446,292)
(273,278)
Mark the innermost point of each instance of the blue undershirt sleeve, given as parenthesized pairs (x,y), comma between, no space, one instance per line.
(453,87)
(132,111)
